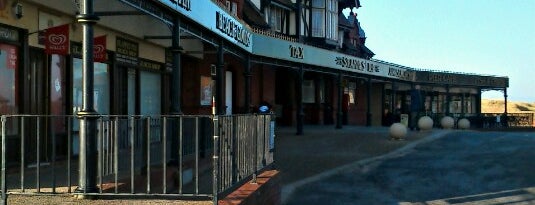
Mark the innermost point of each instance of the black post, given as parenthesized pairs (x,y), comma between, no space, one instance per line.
(505,120)
(88,116)
(368,102)
(247,77)
(299,112)
(176,89)
(462,105)
(393,102)
(220,66)
(339,109)
(478,102)
(176,78)
(448,99)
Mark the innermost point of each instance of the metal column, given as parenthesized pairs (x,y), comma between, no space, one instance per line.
(368,102)
(505,120)
(247,78)
(220,85)
(299,112)
(339,107)
(176,77)
(448,99)
(87,179)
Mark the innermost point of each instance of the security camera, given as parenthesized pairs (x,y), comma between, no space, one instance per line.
(17,10)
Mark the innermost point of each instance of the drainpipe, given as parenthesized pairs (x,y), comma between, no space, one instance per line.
(88,116)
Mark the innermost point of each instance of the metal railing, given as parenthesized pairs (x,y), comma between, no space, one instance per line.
(136,155)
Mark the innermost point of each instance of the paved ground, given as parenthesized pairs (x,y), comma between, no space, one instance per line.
(461,168)
(319,150)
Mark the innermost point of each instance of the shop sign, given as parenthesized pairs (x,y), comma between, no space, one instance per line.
(357,64)
(232,29)
(297,52)
(127,51)
(212,17)
(149,65)
(403,74)
(99,49)
(57,40)
(9,34)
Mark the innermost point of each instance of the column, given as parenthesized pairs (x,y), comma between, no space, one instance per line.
(463,107)
(505,120)
(220,85)
(299,112)
(448,99)
(176,77)
(339,107)
(247,79)
(368,102)
(478,102)
(87,180)
(393,102)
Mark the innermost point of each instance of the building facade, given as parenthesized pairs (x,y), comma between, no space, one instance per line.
(303,57)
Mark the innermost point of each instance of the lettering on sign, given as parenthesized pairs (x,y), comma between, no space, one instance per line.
(357,64)
(150,65)
(400,73)
(297,52)
(9,34)
(442,78)
(232,29)
(185,4)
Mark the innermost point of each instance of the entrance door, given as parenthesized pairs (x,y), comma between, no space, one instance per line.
(228,92)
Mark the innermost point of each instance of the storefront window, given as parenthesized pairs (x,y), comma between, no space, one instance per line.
(308,91)
(8,84)
(151,92)
(101,88)
(8,76)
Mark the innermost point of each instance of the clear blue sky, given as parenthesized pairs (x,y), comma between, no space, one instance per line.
(495,37)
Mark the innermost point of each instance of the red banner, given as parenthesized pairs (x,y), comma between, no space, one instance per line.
(99,49)
(57,40)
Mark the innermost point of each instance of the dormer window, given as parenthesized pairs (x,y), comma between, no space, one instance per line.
(325,19)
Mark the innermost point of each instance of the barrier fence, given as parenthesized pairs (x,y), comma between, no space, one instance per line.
(169,155)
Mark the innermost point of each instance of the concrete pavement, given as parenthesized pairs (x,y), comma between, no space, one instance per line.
(324,151)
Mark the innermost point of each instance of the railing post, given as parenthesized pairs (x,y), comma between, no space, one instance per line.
(215,122)
(4,190)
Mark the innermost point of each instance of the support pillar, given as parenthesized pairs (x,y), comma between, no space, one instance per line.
(176,77)
(368,102)
(393,102)
(247,78)
(478,102)
(220,66)
(299,112)
(505,120)
(339,107)
(87,178)
(298,19)
(448,99)
(463,107)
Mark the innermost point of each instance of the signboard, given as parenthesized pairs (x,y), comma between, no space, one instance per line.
(295,52)
(214,18)
(127,51)
(9,34)
(461,79)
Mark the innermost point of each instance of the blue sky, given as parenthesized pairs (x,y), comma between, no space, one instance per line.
(495,37)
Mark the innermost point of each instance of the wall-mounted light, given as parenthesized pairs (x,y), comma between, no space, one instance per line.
(17,9)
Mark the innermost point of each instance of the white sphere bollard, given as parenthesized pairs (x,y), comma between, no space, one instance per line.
(464,123)
(398,131)
(425,123)
(447,122)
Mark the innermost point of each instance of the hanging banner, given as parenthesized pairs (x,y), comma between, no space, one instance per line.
(57,40)
(99,49)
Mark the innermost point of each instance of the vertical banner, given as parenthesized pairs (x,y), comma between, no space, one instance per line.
(57,40)
(99,49)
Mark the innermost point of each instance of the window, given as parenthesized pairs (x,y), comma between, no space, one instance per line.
(8,76)
(318,18)
(325,19)
(309,91)
(332,19)
(275,18)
